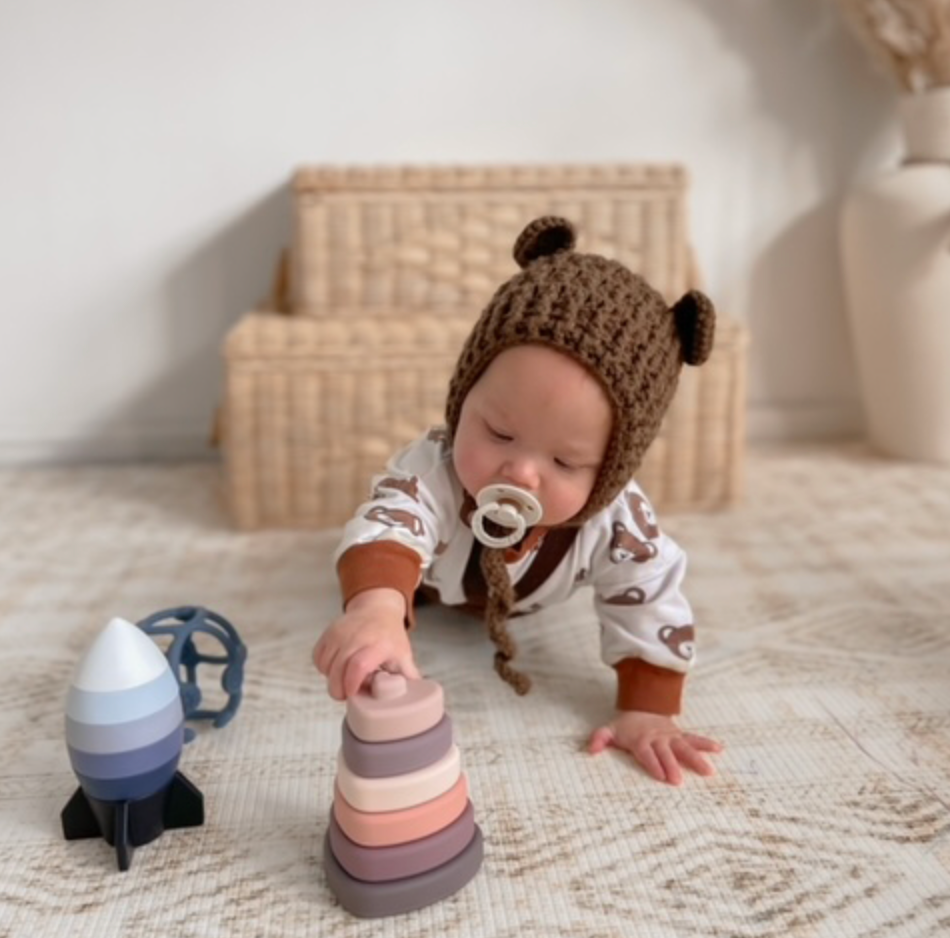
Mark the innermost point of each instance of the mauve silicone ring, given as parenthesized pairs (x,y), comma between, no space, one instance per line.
(382,864)
(399,756)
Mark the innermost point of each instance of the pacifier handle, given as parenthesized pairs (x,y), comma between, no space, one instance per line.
(507,506)
(505,510)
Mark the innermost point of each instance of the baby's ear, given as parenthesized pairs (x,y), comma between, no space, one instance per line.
(696,325)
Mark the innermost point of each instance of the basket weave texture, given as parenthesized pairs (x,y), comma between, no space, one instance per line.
(403,240)
(389,269)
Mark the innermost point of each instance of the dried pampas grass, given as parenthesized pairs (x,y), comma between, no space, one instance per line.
(909,38)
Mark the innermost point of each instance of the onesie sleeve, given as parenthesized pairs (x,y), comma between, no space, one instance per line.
(646,621)
(392,538)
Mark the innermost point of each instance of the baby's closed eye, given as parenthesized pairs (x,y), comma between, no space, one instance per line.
(497,434)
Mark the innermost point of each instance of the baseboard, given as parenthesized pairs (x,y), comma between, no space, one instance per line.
(779,423)
(155,444)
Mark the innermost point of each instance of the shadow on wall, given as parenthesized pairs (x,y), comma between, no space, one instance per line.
(204,296)
(799,328)
(798,46)
(829,112)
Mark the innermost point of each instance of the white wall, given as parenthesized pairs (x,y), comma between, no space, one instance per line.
(146,149)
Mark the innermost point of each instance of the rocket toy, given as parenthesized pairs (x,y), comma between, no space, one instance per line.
(124,733)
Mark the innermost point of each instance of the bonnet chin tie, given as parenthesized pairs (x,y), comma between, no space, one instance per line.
(501,597)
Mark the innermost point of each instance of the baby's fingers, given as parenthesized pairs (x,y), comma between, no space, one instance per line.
(336,668)
(408,668)
(647,754)
(691,757)
(359,667)
(702,743)
(601,739)
(672,773)
(323,655)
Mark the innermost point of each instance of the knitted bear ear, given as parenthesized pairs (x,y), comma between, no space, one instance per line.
(544,236)
(696,325)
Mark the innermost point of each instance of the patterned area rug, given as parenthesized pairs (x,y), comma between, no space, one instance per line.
(823,605)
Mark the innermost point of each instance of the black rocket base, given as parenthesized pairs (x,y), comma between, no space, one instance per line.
(126,825)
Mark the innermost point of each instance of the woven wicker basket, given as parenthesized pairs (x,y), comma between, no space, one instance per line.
(388,271)
(400,240)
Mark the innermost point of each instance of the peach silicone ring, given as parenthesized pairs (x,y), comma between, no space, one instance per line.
(384,828)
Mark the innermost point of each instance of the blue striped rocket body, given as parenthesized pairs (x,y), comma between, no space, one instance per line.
(124,735)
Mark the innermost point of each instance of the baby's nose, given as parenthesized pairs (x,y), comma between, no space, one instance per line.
(522,473)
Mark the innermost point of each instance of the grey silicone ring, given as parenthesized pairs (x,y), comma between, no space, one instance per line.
(398,756)
(375,900)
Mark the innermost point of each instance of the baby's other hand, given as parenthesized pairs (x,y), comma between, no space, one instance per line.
(370,635)
(657,744)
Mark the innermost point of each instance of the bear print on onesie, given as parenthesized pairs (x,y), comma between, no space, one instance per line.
(402,832)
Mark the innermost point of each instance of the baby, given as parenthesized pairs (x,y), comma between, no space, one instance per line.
(527,494)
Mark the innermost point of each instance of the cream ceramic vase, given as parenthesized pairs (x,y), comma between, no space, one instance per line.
(895,240)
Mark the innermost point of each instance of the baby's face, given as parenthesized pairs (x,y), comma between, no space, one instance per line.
(538,420)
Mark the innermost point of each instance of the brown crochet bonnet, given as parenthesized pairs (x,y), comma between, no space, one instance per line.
(615,325)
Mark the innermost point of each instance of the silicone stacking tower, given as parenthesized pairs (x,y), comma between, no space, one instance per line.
(402,832)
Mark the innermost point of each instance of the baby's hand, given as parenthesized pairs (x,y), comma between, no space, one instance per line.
(370,635)
(657,743)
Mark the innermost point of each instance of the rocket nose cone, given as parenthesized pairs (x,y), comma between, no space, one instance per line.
(121,657)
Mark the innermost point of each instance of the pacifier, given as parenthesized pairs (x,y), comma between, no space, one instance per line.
(508,507)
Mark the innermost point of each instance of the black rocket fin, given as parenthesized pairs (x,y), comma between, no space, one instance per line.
(184,805)
(79,821)
(123,843)
(126,825)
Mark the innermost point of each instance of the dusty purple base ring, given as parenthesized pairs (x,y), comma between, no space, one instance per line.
(377,900)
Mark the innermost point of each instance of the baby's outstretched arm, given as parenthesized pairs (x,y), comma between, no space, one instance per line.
(371,634)
(658,744)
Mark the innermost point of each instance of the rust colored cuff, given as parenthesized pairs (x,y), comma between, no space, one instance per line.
(644,686)
(380,564)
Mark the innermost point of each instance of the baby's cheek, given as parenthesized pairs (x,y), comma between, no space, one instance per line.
(469,466)
(566,500)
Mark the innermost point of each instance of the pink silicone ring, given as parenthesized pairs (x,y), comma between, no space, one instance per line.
(394,709)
